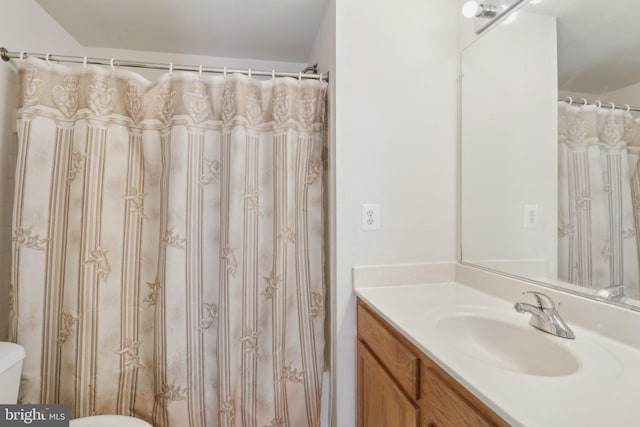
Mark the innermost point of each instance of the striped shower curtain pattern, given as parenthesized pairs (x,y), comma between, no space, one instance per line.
(167,246)
(599,198)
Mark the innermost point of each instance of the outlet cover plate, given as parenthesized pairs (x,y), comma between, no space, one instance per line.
(370,216)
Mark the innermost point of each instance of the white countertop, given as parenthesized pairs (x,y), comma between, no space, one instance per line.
(603,391)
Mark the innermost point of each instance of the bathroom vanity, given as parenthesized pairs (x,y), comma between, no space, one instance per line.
(459,354)
(399,385)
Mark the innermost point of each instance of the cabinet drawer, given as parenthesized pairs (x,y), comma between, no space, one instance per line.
(445,407)
(396,357)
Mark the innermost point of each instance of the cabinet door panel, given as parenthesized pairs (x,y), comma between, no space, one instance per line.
(446,408)
(381,402)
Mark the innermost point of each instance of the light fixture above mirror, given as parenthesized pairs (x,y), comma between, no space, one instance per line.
(473,9)
(490,12)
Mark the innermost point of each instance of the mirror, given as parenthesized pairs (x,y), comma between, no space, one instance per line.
(550,148)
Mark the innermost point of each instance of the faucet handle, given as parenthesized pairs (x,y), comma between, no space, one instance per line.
(544,300)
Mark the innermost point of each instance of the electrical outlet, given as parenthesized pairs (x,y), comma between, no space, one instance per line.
(370,217)
(531,214)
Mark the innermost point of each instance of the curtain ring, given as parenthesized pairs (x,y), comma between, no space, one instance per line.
(598,104)
(273,74)
(225,72)
(569,100)
(200,70)
(249,73)
(171,68)
(46,57)
(613,106)
(300,76)
(23,54)
(113,67)
(584,102)
(319,77)
(627,107)
(84,62)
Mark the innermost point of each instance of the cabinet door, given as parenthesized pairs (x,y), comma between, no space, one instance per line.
(444,407)
(381,403)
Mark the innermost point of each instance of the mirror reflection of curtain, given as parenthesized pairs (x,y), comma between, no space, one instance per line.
(167,246)
(599,198)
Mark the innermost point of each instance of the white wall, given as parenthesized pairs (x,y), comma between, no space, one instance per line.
(186,59)
(626,95)
(324,54)
(395,145)
(509,144)
(25,27)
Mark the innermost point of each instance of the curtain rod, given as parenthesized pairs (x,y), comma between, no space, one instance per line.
(610,105)
(6,56)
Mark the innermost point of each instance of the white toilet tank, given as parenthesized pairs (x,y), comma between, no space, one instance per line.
(11,357)
(109,421)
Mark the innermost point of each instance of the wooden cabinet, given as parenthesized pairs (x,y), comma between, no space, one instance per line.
(444,406)
(399,386)
(384,404)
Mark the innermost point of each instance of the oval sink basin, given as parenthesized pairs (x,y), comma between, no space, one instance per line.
(515,348)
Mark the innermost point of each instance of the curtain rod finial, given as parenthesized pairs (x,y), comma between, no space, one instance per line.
(3,54)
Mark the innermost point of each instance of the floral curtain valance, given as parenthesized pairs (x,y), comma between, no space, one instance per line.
(182,97)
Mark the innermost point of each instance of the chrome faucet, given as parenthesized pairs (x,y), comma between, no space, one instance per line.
(544,316)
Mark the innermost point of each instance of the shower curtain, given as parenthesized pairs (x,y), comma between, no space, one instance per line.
(599,198)
(167,246)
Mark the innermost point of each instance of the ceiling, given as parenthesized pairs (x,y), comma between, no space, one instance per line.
(598,43)
(276,30)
